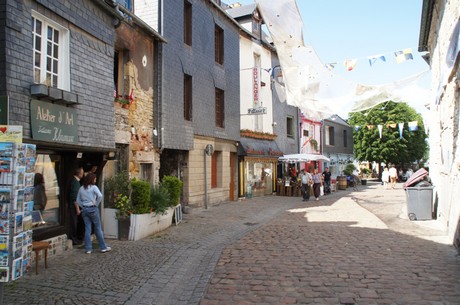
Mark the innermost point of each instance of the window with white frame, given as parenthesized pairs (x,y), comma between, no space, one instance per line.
(51,52)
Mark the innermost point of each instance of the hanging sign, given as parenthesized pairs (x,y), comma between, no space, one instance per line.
(53,122)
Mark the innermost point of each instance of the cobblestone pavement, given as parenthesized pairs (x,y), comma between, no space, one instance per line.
(269,250)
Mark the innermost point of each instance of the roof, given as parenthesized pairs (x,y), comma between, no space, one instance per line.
(241,11)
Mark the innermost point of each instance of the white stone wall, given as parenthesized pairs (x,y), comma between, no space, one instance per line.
(444,125)
(194,178)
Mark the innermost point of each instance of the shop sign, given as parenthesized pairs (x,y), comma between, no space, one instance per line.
(276,153)
(53,122)
(258,110)
(255,85)
(251,151)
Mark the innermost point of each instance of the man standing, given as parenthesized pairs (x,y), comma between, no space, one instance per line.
(327,181)
(306,179)
(77,228)
(393,176)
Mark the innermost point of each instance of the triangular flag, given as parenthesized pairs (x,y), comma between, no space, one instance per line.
(402,56)
(392,125)
(373,59)
(380,127)
(350,64)
(401,127)
(413,126)
(330,66)
(357,127)
(370,126)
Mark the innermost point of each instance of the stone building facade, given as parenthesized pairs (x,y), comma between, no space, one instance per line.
(439,35)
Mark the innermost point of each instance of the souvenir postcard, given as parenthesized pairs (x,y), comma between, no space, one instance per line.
(19,200)
(5,195)
(28,194)
(4,274)
(30,165)
(20,176)
(18,222)
(4,210)
(29,179)
(5,164)
(11,133)
(4,254)
(27,222)
(19,162)
(27,238)
(17,268)
(20,151)
(6,149)
(26,266)
(31,150)
(4,258)
(28,208)
(17,251)
(6,178)
(4,226)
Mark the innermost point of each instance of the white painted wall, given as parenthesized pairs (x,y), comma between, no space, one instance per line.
(147,10)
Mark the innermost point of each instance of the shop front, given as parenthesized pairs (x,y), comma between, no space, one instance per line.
(257,167)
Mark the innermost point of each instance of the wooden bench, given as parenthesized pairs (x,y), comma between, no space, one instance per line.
(38,246)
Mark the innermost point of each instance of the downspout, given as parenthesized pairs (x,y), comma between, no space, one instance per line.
(160,72)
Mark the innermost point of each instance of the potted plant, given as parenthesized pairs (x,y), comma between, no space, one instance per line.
(118,184)
(140,196)
(173,186)
(125,208)
(314,143)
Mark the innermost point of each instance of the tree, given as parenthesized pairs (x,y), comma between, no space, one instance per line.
(389,148)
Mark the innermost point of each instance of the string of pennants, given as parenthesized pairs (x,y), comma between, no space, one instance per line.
(350,64)
(413,126)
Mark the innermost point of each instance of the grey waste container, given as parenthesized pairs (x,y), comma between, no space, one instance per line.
(420,201)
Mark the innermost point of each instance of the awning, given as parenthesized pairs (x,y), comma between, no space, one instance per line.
(259,148)
(294,158)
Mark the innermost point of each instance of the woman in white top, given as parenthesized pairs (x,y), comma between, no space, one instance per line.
(385,177)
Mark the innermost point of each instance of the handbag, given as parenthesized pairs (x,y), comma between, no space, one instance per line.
(321,190)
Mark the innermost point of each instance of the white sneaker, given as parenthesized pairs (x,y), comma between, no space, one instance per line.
(88,252)
(106,250)
(317,198)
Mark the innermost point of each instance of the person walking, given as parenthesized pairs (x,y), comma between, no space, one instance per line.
(385,177)
(327,181)
(306,181)
(40,198)
(89,197)
(77,225)
(317,183)
(393,176)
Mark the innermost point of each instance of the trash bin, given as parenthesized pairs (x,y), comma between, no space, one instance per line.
(420,201)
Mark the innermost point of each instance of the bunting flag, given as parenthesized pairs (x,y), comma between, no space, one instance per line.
(330,66)
(370,126)
(374,58)
(350,64)
(413,126)
(380,127)
(357,127)
(402,56)
(401,127)
(391,125)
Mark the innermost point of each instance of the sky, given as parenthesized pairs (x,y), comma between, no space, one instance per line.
(356,29)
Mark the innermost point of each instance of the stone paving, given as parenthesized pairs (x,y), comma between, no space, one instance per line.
(269,250)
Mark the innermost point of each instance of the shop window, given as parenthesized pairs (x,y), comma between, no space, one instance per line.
(146,172)
(50,52)
(188,102)
(218,45)
(48,166)
(187,23)
(259,178)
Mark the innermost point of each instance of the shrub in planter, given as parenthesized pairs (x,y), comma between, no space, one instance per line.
(349,168)
(114,186)
(159,199)
(173,185)
(140,196)
(124,206)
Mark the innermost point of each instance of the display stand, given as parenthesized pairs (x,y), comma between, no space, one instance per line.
(17,170)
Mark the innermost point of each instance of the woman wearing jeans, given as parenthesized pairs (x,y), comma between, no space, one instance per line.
(88,198)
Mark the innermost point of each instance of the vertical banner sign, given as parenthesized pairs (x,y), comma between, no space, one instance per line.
(53,123)
(4,110)
(255,86)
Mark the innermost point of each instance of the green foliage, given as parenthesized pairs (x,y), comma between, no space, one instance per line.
(368,145)
(349,168)
(159,199)
(140,196)
(124,206)
(114,186)
(173,185)
(366,171)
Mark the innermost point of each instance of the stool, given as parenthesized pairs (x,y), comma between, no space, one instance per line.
(37,246)
(333,187)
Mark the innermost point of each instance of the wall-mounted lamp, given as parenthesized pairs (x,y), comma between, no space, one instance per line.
(274,124)
(133,130)
(155,132)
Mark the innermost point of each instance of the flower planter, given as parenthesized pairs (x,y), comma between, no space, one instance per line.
(143,225)
(110,223)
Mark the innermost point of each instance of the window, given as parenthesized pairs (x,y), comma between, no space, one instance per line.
(50,53)
(329,135)
(214,170)
(187,23)
(305,133)
(187,97)
(220,111)
(218,45)
(345,138)
(290,126)
(146,172)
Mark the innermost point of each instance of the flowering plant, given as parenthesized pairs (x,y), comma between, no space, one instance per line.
(124,206)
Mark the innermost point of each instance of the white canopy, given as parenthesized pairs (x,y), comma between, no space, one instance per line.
(294,158)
